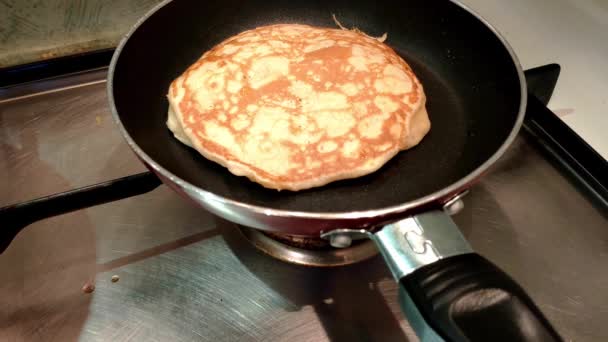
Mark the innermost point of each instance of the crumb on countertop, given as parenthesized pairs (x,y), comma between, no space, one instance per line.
(88,287)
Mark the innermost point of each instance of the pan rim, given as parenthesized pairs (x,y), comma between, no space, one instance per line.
(450,190)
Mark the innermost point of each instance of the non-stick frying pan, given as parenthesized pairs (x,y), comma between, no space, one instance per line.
(475,89)
(476,101)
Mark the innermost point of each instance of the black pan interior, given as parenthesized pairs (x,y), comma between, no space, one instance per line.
(470,80)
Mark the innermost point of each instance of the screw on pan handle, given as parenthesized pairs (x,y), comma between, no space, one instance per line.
(14,218)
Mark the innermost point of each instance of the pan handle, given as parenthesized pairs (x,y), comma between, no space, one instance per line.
(448,292)
(15,218)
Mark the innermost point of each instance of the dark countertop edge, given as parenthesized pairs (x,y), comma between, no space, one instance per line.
(56,67)
(582,164)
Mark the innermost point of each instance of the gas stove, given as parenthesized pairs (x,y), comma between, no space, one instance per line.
(184,274)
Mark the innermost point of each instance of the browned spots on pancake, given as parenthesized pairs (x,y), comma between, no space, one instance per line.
(293,102)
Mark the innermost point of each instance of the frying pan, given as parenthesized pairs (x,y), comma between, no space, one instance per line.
(476,101)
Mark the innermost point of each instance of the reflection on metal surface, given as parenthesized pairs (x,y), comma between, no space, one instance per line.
(27,90)
(456,204)
(354,234)
(187,275)
(418,241)
(340,241)
(325,257)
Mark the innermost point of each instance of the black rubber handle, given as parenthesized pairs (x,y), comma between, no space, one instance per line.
(467,298)
(14,218)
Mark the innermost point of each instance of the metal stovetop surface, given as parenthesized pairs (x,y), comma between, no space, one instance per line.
(187,275)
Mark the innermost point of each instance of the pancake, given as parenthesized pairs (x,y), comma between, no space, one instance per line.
(294,106)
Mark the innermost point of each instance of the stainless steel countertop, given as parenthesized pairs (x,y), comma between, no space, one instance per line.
(186,275)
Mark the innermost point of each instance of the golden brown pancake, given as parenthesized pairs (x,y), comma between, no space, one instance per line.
(294,106)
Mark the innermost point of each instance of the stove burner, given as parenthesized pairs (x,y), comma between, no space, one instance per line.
(307,251)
